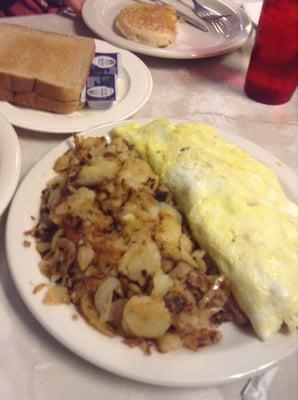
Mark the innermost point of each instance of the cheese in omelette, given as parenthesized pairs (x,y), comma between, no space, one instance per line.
(237,211)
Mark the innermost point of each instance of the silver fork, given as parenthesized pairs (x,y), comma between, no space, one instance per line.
(215,20)
(199,7)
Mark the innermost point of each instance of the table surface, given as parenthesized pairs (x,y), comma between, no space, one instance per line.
(34,365)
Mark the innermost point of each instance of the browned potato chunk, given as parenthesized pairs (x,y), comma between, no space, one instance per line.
(169,342)
(161,284)
(93,174)
(56,295)
(146,317)
(141,256)
(64,161)
(135,172)
(80,200)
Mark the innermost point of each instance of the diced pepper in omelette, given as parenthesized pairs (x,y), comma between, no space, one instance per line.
(237,212)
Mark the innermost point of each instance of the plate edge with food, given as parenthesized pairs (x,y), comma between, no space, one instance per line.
(178,384)
(164,52)
(54,105)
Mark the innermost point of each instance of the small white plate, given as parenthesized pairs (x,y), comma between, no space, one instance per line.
(238,355)
(10,162)
(191,42)
(134,89)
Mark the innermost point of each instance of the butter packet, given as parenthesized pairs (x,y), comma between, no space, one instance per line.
(106,64)
(100,90)
(101,85)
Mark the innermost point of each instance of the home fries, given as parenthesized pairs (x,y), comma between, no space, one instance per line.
(166,231)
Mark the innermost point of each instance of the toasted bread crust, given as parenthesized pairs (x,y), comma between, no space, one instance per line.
(150,24)
(51,65)
(6,95)
(33,100)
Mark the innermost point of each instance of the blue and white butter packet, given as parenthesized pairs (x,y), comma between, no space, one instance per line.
(101,85)
(101,90)
(106,64)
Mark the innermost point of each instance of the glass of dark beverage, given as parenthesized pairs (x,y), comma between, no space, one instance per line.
(272,73)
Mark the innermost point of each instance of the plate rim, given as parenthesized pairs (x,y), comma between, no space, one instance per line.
(60,128)
(103,363)
(12,147)
(140,48)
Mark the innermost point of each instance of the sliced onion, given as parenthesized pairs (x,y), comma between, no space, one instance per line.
(104,296)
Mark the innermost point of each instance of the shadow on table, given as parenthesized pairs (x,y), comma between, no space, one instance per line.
(82,29)
(41,136)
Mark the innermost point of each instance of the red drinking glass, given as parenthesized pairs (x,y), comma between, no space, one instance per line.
(272,73)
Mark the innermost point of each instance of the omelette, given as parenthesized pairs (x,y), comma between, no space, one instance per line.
(237,211)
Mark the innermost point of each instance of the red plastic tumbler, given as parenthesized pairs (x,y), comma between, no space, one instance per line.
(272,73)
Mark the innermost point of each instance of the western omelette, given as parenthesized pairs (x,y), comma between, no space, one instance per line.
(237,211)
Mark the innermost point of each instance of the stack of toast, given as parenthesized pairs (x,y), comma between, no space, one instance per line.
(43,70)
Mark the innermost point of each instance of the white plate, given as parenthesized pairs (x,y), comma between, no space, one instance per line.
(239,354)
(10,162)
(134,89)
(100,16)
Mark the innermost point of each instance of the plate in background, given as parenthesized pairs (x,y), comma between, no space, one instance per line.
(134,89)
(10,162)
(240,354)
(100,16)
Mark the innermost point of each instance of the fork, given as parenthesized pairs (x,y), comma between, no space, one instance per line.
(215,20)
(211,15)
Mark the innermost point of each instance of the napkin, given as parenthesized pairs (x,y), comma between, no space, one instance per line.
(253,9)
(257,387)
